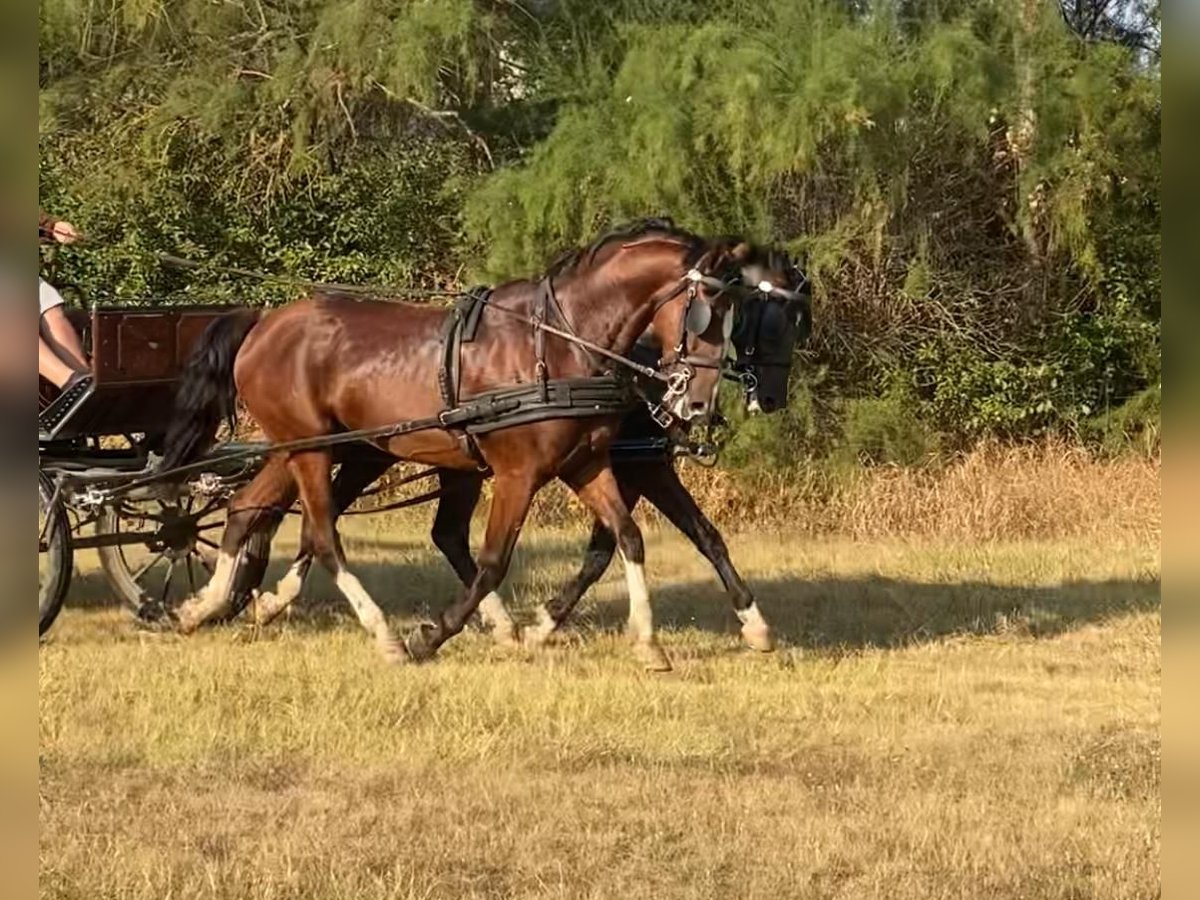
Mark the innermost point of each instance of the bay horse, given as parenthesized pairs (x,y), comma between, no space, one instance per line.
(327,364)
(771,321)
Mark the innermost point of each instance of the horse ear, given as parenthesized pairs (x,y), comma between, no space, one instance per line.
(741,253)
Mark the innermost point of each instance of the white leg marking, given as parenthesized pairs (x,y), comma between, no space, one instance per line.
(493,613)
(540,632)
(496,617)
(271,605)
(641,618)
(751,617)
(755,630)
(210,599)
(365,608)
(370,615)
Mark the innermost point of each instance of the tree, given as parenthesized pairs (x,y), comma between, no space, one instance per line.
(974,184)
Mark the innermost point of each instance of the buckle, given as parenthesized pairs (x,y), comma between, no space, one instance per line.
(661,415)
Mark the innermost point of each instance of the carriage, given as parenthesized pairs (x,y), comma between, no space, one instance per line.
(154,545)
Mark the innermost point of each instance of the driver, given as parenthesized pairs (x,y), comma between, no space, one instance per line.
(61,360)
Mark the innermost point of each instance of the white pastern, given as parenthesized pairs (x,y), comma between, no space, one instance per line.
(493,613)
(641,618)
(369,614)
(751,617)
(288,589)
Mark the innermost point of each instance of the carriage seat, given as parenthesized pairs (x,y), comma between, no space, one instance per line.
(136,354)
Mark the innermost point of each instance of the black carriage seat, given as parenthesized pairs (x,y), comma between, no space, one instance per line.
(53,403)
(136,354)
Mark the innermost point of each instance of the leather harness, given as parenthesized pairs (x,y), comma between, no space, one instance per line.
(521,404)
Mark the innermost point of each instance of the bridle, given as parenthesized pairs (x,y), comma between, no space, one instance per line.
(751,307)
(681,365)
(754,309)
(677,369)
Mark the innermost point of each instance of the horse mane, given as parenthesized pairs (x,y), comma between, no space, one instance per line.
(567,261)
(766,256)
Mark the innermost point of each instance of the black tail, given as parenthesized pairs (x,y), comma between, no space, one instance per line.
(206,393)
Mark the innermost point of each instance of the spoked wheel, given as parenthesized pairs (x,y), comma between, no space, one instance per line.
(167,551)
(55,556)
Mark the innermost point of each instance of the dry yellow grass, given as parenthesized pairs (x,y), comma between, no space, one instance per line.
(944,719)
(996,492)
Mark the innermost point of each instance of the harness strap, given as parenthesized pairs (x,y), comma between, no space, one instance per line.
(447,385)
(461,326)
(559,398)
(540,304)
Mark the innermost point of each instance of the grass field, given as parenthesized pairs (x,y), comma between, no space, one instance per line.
(942,720)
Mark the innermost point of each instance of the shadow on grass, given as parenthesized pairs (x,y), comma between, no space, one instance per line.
(888,612)
(819,613)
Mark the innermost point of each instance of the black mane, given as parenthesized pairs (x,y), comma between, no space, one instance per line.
(567,260)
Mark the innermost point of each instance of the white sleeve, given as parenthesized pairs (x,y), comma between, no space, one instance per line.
(48,297)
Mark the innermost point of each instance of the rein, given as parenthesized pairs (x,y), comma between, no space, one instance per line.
(573,338)
(686,281)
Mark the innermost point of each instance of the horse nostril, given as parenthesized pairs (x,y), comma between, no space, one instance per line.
(698,406)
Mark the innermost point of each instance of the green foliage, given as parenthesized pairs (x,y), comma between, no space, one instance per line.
(1136,424)
(887,429)
(974,184)
(765,443)
(384,219)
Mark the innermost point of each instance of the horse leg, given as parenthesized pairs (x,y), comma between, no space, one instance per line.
(352,479)
(260,504)
(597,487)
(510,504)
(451,534)
(311,470)
(660,485)
(596,559)
(271,603)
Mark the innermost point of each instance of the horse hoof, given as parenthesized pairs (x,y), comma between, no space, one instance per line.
(418,644)
(651,656)
(186,623)
(394,651)
(758,639)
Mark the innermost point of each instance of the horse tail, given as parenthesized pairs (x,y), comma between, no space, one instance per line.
(207,393)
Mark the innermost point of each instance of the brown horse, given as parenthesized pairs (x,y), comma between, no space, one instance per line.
(773,319)
(327,364)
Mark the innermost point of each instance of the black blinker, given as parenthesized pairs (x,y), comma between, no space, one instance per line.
(699,316)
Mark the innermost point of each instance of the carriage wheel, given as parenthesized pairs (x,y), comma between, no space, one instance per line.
(54,555)
(176,556)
